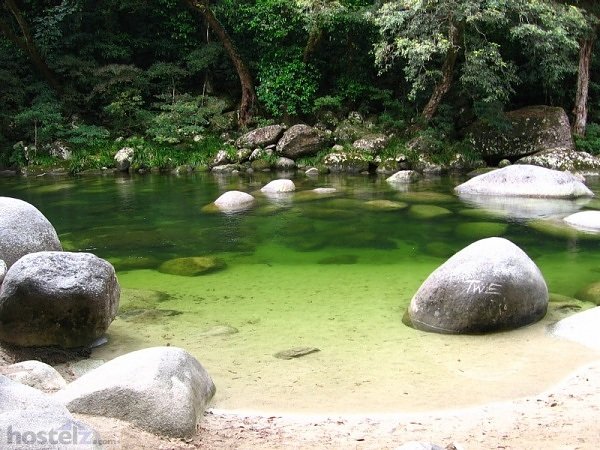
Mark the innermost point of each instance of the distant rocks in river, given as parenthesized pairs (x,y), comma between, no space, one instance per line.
(233,201)
(58,299)
(280,186)
(163,390)
(404,176)
(488,286)
(24,229)
(525,181)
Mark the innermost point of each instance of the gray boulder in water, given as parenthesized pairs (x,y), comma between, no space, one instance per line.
(24,229)
(164,390)
(58,298)
(488,286)
(520,180)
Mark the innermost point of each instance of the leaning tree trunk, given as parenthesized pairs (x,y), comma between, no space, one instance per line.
(454,36)
(26,44)
(315,36)
(580,111)
(248,101)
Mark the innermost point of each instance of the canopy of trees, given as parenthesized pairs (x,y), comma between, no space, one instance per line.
(166,70)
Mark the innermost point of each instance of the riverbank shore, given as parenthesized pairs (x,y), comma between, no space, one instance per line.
(560,418)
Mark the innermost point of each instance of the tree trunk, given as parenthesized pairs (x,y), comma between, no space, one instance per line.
(315,36)
(25,43)
(580,111)
(248,101)
(454,36)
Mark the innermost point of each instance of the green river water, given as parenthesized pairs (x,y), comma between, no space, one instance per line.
(334,272)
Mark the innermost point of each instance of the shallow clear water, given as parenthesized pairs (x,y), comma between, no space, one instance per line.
(332,272)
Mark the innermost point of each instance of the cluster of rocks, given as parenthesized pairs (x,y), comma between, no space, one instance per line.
(492,284)
(163,390)
(55,299)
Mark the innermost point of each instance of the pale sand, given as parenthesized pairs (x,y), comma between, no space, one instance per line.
(563,417)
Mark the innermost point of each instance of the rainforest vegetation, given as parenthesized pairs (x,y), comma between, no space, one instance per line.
(174,77)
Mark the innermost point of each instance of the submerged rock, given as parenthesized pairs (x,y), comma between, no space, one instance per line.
(385,205)
(219,330)
(428,211)
(164,390)
(526,181)
(488,286)
(590,293)
(480,230)
(58,298)
(24,229)
(192,266)
(296,352)
(339,259)
(135,299)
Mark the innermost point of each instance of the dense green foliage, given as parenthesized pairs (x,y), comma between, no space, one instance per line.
(90,73)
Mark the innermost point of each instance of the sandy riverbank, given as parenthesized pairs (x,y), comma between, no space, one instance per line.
(563,417)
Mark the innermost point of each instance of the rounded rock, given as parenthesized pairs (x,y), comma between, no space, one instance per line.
(488,286)
(585,220)
(232,201)
(279,187)
(58,298)
(24,229)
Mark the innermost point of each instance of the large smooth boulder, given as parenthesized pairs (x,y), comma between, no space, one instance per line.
(164,390)
(24,229)
(530,130)
(261,137)
(488,286)
(233,201)
(58,298)
(32,420)
(525,181)
(123,158)
(300,140)
(564,159)
(585,220)
(36,374)
(279,187)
